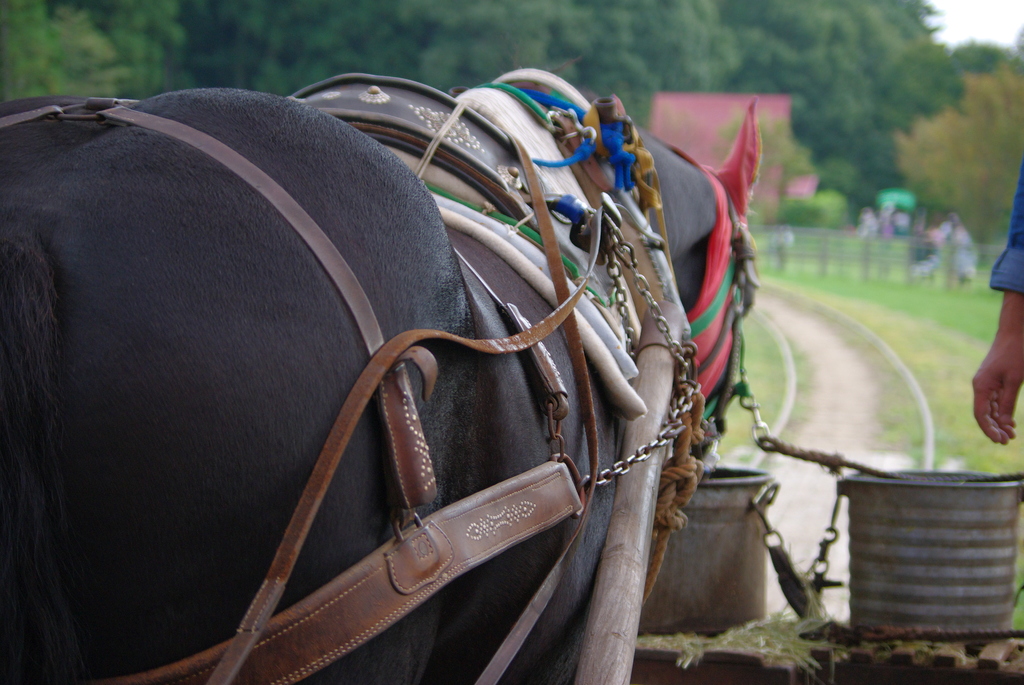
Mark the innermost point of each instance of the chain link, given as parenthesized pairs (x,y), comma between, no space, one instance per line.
(673,427)
(620,300)
(555,437)
(619,251)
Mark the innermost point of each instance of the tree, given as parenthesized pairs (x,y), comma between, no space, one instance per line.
(88,59)
(637,47)
(921,81)
(966,158)
(469,42)
(280,47)
(144,34)
(973,57)
(836,58)
(30,51)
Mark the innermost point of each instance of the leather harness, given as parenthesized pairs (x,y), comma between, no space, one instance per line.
(399,576)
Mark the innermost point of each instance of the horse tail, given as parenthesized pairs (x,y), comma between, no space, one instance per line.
(37,636)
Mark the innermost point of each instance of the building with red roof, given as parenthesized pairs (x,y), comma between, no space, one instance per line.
(702,124)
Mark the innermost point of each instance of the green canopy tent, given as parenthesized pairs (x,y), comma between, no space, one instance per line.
(900,198)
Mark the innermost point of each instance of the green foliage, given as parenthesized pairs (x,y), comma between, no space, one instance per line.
(30,58)
(839,62)
(827,209)
(88,47)
(528,33)
(637,47)
(630,48)
(967,158)
(984,58)
(838,174)
(279,47)
(88,58)
(921,82)
(144,35)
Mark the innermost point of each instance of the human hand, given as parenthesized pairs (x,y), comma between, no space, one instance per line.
(998,380)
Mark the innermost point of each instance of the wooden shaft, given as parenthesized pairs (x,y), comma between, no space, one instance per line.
(610,638)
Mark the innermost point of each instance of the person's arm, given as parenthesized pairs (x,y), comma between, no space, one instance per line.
(998,380)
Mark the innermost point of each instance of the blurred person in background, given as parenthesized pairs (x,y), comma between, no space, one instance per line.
(998,380)
(965,259)
(867,225)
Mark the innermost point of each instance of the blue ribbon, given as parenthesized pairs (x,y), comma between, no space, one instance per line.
(583,152)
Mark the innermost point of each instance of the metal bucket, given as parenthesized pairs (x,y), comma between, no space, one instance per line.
(932,554)
(713,575)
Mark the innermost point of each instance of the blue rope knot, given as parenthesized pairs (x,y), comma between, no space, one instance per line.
(611,137)
(622,161)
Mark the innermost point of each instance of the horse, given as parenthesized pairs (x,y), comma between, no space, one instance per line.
(173,360)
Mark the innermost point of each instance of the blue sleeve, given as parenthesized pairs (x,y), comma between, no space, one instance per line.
(1008,271)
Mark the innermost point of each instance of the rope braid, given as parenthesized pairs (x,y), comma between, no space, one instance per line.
(679,478)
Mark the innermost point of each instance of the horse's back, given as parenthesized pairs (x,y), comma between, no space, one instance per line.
(203,355)
(204,352)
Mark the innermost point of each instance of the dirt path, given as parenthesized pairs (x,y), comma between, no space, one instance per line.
(841,416)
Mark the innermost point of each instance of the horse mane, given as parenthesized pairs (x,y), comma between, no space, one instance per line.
(37,632)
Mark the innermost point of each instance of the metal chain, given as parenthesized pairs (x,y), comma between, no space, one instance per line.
(761,432)
(760,503)
(620,300)
(821,564)
(674,425)
(555,437)
(836,462)
(619,251)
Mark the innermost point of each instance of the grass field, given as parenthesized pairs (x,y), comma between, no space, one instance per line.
(972,310)
(942,337)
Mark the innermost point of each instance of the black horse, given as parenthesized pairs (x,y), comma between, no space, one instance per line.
(173,358)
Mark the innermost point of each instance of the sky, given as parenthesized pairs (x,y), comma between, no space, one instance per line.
(990,21)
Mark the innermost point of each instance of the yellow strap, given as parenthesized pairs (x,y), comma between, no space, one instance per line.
(593,120)
(643,169)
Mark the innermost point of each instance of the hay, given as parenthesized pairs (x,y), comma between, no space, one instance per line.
(776,639)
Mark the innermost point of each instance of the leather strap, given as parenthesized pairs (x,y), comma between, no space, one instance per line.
(409,470)
(561,281)
(542,371)
(524,624)
(305,512)
(258,617)
(31,115)
(389,583)
(506,202)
